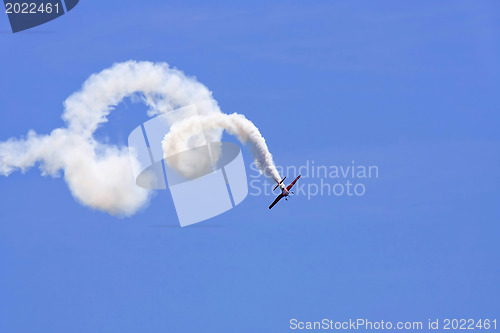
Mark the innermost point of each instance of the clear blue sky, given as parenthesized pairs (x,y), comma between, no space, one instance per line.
(410,88)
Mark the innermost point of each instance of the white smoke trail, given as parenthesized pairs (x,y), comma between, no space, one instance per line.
(99,175)
(178,140)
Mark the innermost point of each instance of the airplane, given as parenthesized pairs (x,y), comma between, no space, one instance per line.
(285,191)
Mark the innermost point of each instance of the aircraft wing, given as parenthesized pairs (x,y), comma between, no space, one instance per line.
(293,183)
(276,201)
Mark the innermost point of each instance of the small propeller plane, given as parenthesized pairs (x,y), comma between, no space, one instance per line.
(285,191)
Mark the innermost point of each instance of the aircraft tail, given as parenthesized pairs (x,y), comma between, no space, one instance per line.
(281,182)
